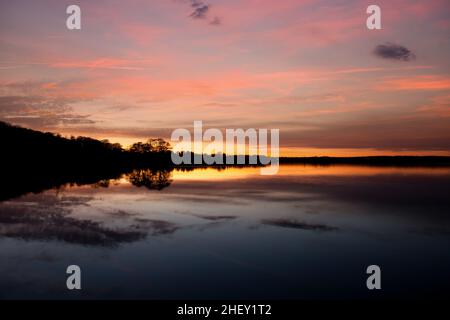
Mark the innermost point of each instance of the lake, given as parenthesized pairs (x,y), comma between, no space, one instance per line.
(308,232)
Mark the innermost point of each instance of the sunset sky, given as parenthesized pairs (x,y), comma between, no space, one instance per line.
(140,68)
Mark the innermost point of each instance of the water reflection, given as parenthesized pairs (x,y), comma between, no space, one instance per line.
(53,224)
(304,233)
(47,217)
(151,178)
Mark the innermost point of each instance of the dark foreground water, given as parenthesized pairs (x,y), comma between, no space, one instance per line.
(308,232)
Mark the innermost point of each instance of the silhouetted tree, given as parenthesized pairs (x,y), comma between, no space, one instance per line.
(154,145)
(159,145)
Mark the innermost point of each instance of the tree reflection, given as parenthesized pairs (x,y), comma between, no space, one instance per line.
(153,179)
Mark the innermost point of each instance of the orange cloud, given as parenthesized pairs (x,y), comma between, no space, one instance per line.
(426,82)
(106,63)
(439,106)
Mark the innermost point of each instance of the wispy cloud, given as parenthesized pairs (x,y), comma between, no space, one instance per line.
(40,112)
(200,9)
(35,105)
(416,83)
(106,63)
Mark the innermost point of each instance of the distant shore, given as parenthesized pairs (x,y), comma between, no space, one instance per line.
(30,150)
(426,161)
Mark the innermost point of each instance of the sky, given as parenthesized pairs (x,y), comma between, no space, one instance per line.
(141,68)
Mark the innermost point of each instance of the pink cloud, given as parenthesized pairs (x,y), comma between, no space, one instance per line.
(423,82)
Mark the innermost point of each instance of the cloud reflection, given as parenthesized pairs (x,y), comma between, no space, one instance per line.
(294,224)
(45,218)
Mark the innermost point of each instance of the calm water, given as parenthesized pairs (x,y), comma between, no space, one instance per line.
(309,232)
